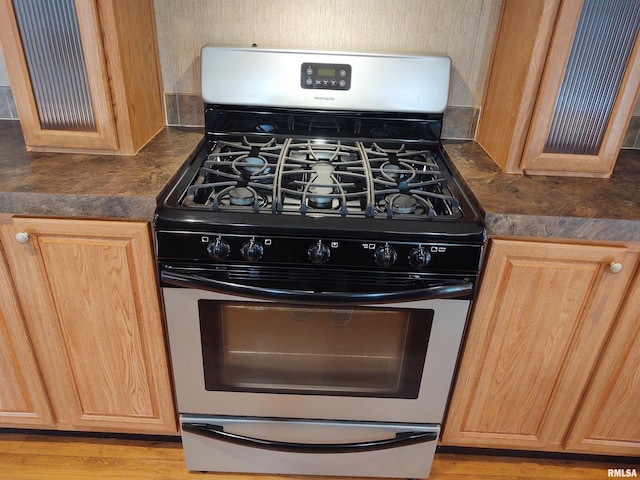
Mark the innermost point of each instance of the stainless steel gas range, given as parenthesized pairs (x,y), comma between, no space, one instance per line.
(318,259)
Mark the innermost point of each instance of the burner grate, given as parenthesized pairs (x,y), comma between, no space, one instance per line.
(322,178)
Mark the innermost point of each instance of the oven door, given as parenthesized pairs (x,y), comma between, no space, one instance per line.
(235,356)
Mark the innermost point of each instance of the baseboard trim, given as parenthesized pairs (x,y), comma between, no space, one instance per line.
(96,435)
(579,457)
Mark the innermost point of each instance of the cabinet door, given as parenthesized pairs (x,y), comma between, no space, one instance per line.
(608,421)
(588,90)
(23,399)
(542,314)
(91,302)
(56,63)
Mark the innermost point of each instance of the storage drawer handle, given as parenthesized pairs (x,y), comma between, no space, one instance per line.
(400,440)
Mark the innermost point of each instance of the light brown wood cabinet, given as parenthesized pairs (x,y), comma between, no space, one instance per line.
(23,399)
(85,74)
(608,420)
(91,329)
(562,86)
(549,362)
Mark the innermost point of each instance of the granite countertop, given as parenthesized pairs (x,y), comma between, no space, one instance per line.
(128,187)
(90,186)
(553,207)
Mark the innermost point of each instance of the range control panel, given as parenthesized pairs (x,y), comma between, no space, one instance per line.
(219,248)
(325,76)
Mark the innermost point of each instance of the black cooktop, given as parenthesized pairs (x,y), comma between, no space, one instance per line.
(274,170)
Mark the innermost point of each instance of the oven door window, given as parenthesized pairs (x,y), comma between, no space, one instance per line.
(256,347)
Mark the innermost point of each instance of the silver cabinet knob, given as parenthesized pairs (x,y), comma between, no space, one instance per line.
(615,267)
(22,237)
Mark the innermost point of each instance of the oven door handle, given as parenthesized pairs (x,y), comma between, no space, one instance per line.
(400,440)
(453,290)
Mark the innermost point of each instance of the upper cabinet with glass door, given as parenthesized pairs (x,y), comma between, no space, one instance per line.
(84,73)
(562,87)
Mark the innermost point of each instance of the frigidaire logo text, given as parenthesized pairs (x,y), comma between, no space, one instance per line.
(323,98)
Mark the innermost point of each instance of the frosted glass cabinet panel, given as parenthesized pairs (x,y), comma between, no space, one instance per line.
(52,46)
(600,52)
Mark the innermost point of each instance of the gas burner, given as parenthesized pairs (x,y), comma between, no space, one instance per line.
(321,185)
(241,196)
(250,165)
(237,197)
(406,206)
(397,172)
(401,203)
(324,203)
(391,171)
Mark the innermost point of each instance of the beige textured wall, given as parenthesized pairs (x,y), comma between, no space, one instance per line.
(462,29)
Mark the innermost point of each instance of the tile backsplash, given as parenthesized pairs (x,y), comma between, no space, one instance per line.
(632,137)
(8,110)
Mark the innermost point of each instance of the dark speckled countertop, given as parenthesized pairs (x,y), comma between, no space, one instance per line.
(553,207)
(108,186)
(90,186)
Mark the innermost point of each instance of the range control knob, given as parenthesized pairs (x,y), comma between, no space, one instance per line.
(319,253)
(419,257)
(218,249)
(385,256)
(252,250)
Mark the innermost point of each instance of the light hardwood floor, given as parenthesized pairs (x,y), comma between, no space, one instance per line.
(36,457)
